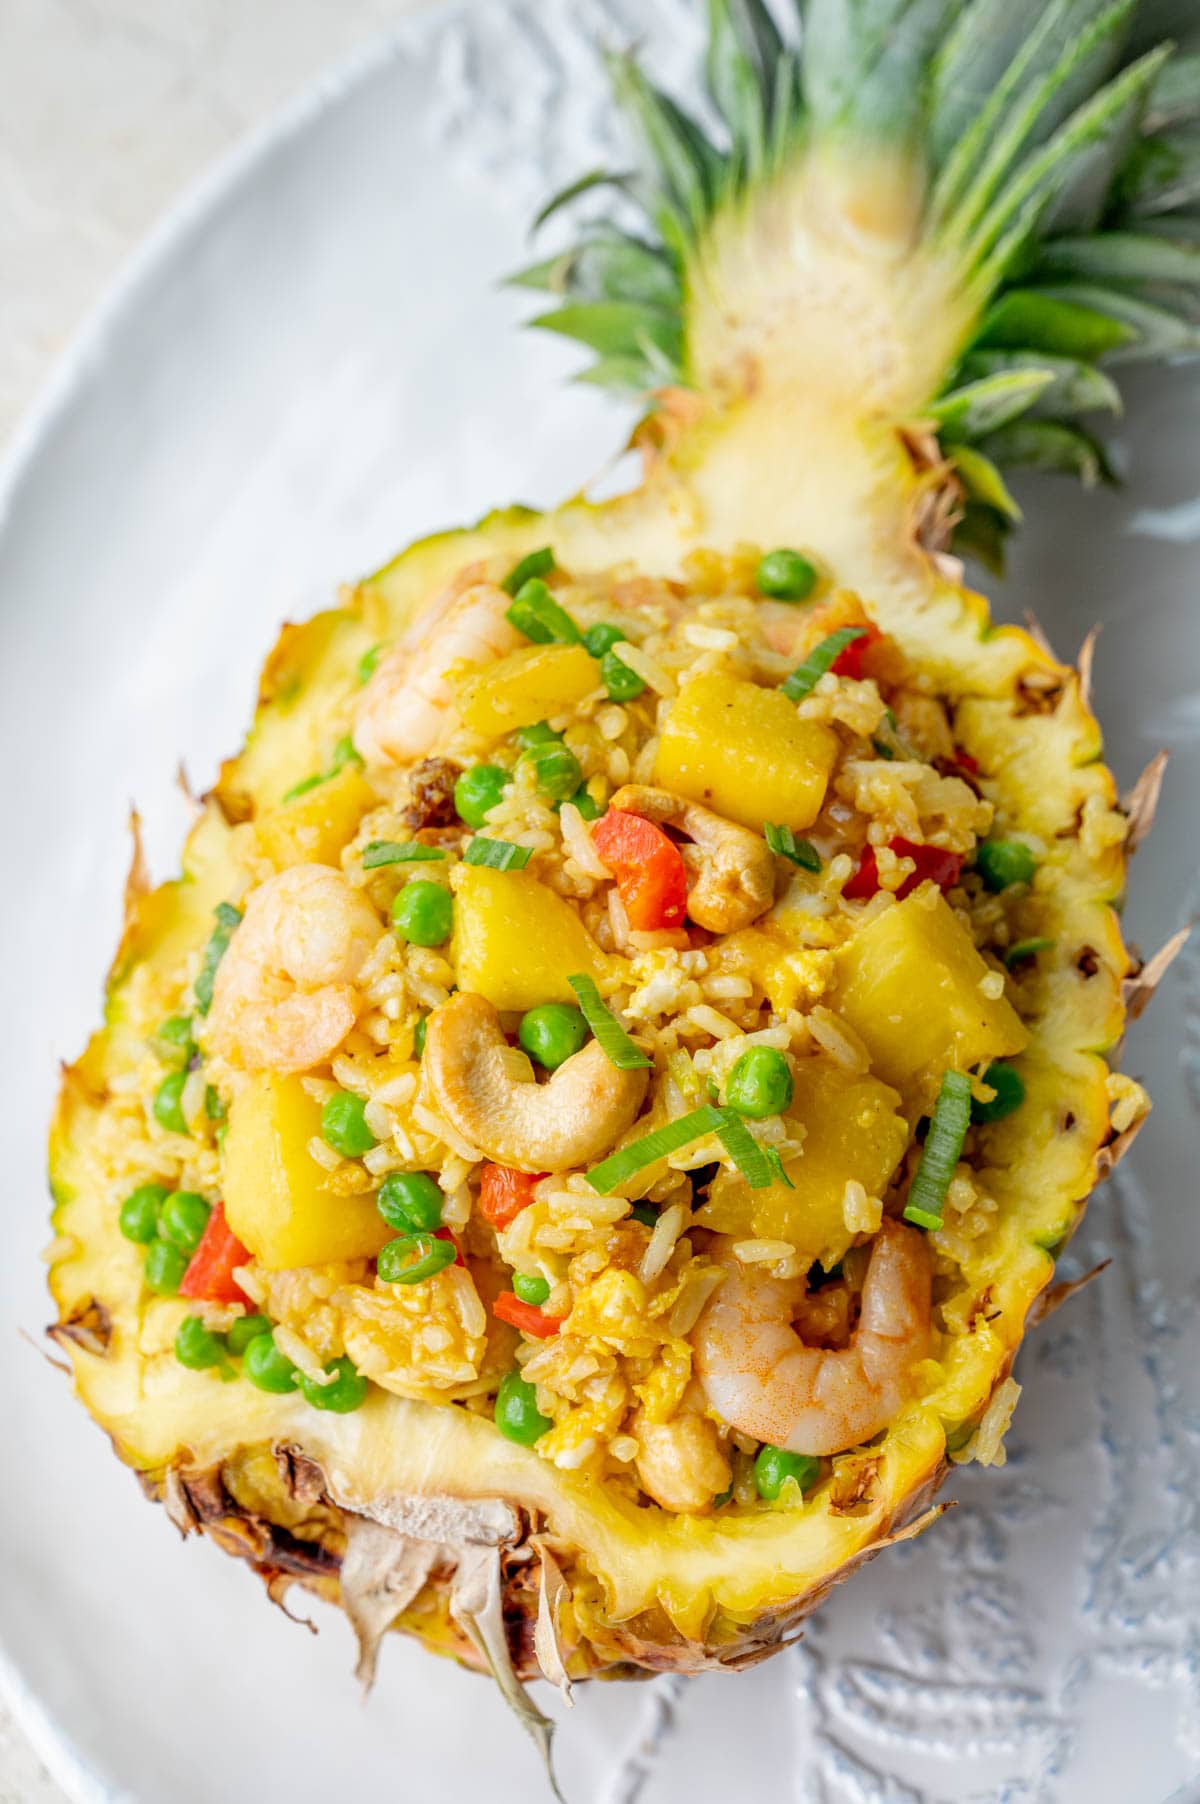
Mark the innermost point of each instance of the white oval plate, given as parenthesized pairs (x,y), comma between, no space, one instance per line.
(309,365)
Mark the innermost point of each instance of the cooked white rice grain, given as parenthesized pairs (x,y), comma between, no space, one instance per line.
(838,1039)
(763,1252)
(578,842)
(710,1022)
(649,669)
(666,1232)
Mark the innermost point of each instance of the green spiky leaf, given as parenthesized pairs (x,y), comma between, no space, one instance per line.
(1030,318)
(1073,386)
(1049,445)
(979,407)
(983,481)
(1122,258)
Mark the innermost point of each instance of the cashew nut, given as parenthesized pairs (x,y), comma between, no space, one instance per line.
(732,869)
(680,1463)
(569,1121)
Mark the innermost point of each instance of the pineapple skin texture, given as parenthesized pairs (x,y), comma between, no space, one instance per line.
(649,1591)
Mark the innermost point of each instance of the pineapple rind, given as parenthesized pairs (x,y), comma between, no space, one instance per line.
(665,1590)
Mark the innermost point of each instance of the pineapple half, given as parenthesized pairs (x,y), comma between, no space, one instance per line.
(908,259)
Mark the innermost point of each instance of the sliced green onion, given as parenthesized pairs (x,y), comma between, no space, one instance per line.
(536,614)
(775,1159)
(369,660)
(820,659)
(412,1258)
(784,844)
(1009,1086)
(228,917)
(396,851)
(940,1154)
(670,1138)
(497,854)
(615,1043)
(304,785)
(344,752)
(890,743)
(749,1157)
(1024,949)
(534,563)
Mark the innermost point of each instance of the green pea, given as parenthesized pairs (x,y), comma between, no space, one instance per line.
(423,913)
(344,1125)
(559,773)
(196,1346)
(348,1390)
(164,1267)
(1006,1081)
(140,1212)
(540,733)
(622,684)
(267,1368)
(773,1467)
(183,1220)
(760,1083)
(419,1032)
(602,637)
(478,790)
(368,661)
(1001,862)
(531,1287)
(175,1041)
(244,1330)
(411,1202)
(646,1213)
(785,575)
(167,1106)
(551,1032)
(517,1415)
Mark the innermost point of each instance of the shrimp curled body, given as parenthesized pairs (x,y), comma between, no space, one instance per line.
(761,1378)
(407,709)
(284,998)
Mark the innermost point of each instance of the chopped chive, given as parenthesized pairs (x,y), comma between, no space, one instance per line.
(615,1043)
(749,1157)
(806,676)
(535,613)
(1009,1086)
(344,752)
(305,784)
(368,661)
(1024,949)
(395,851)
(228,918)
(497,854)
(534,563)
(775,1158)
(940,1154)
(670,1138)
(784,843)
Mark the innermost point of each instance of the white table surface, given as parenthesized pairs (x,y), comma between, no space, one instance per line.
(108,109)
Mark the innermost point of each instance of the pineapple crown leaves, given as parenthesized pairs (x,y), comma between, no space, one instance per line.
(1063,185)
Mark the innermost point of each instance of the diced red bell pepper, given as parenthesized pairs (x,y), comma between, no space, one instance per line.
(933,864)
(209,1277)
(526,1316)
(648,866)
(445,1234)
(504,1192)
(965,761)
(849,661)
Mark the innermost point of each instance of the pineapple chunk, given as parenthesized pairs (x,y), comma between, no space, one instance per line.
(277,1198)
(744,751)
(909,985)
(852,1129)
(515,941)
(526,686)
(312,828)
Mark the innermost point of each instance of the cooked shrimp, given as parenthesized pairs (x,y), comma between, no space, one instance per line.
(731,870)
(680,1463)
(761,1378)
(284,997)
(407,709)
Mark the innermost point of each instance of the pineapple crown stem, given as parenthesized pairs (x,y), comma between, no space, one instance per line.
(1049,163)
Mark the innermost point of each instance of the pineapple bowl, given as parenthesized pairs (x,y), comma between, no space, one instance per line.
(574,1154)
